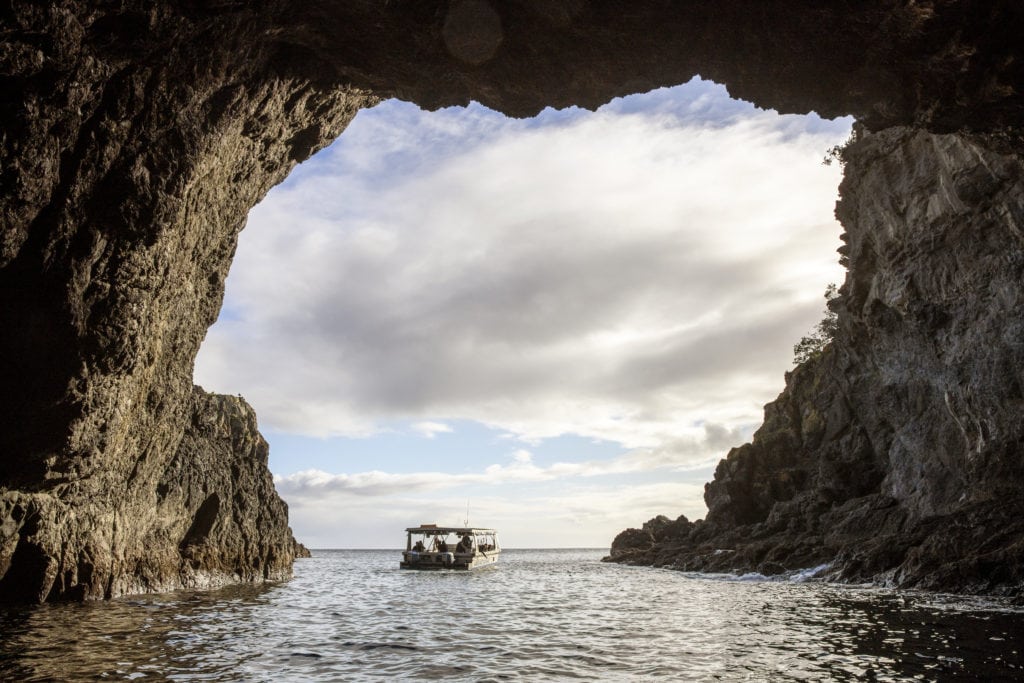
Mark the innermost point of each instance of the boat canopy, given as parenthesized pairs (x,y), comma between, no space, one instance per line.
(433,529)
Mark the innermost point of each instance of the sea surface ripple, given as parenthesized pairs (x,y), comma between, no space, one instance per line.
(539,615)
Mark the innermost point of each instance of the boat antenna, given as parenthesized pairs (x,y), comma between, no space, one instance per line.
(466,523)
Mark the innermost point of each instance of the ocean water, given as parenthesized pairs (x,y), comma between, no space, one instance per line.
(539,615)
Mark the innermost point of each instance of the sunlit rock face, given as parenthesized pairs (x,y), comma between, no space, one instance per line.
(136,136)
(896,455)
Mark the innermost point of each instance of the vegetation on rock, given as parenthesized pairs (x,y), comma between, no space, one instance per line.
(811,345)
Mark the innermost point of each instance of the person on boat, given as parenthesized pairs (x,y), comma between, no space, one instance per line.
(466,544)
(419,547)
(442,546)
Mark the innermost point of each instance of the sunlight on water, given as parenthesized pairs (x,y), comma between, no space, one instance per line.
(538,615)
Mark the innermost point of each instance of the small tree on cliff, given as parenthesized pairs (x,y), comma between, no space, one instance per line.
(821,336)
(837,153)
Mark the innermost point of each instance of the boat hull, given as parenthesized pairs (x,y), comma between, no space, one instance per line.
(436,561)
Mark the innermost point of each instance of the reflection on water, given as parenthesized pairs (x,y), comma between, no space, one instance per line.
(538,615)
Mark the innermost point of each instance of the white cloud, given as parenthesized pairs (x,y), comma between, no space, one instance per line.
(577,515)
(621,275)
(429,430)
(679,455)
(638,275)
(522,456)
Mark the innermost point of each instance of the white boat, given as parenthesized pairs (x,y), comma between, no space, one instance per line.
(430,546)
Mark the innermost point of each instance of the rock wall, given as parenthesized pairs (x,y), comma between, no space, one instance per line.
(212,518)
(239,527)
(138,143)
(135,136)
(897,454)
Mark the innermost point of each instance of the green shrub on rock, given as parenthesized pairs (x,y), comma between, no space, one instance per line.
(811,345)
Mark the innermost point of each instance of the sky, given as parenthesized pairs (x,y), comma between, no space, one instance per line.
(552,326)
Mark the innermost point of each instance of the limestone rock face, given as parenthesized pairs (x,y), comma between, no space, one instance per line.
(896,454)
(135,136)
(234,526)
(212,518)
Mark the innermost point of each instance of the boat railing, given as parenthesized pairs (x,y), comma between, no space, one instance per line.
(482,550)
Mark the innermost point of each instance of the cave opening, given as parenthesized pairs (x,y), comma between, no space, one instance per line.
(137,140)
(554,310)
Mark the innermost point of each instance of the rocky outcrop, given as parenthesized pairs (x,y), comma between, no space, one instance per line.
(213,517)
(234,526)
(895,455)
(136,136)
